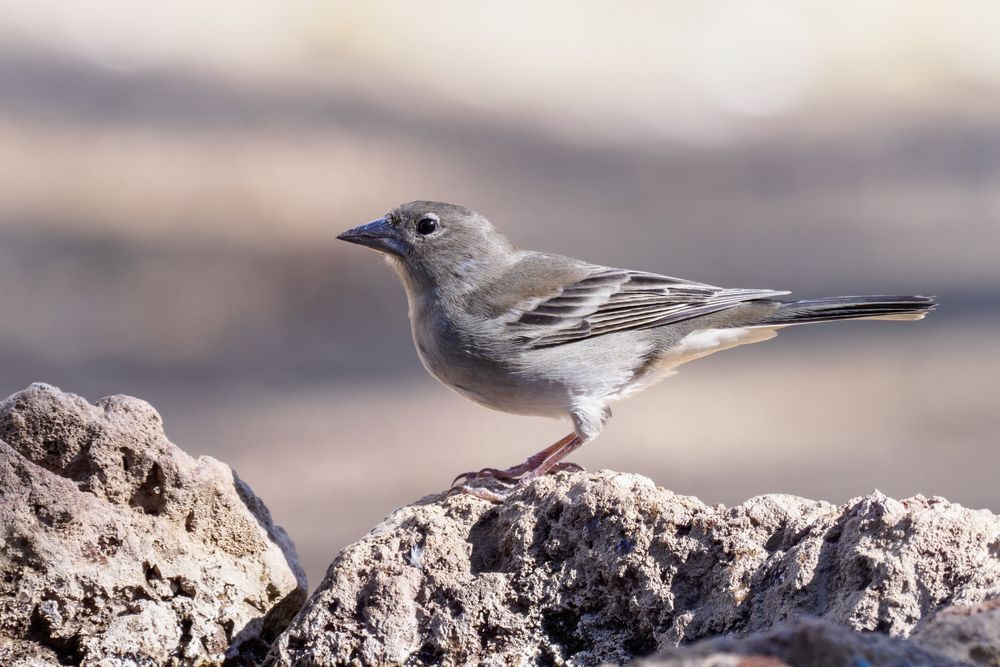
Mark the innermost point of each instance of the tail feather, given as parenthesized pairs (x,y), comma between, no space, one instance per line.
(852,307)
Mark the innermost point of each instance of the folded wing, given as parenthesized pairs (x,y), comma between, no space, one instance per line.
(607,300)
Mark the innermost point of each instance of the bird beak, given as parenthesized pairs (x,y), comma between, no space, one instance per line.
(377,235)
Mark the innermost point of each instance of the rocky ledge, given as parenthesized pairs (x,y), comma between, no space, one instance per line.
(591,568)
(117,548)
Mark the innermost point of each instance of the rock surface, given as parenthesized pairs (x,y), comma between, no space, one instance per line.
(969,633)
(955,636)
(117,548)
(805,642)
(586,568)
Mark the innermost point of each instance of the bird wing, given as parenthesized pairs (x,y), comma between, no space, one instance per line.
(597,300)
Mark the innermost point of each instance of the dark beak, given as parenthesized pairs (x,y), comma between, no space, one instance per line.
(377,235)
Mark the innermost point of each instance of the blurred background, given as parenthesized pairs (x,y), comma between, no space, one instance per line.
(173,175)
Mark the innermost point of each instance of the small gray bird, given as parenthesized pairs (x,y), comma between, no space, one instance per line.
(537,334)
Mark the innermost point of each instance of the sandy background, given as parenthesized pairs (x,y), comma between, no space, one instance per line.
(173,175)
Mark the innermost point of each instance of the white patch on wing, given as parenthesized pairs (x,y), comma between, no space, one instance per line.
(709,339)
(697,344)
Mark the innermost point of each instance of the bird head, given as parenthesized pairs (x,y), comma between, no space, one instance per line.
(435,244)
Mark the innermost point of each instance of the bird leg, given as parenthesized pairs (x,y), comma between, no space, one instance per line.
(554,461)
(548,460)
(514,472)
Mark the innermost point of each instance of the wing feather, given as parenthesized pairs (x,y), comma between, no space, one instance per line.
(609,300)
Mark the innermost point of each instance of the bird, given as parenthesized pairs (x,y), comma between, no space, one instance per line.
(534,333)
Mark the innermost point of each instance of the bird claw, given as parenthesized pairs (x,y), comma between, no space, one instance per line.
(512,474)
(567,466)
(547,461)
(500,495)
(487,473)
(463,477)
(497,495)
(483,493)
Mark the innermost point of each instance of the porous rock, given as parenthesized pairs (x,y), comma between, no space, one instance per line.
(117,548)
(586,568)
(954,636)
(969,633)
(805,642)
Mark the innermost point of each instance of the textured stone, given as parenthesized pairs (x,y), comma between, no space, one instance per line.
(804,643)
(952,637)
(586,568)
(970,633)
(118,548)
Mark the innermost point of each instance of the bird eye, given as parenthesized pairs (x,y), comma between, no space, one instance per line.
(426,225)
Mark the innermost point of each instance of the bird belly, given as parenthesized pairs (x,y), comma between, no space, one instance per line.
(561,380)
(501,388)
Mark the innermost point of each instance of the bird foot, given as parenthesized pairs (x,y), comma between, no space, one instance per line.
(502,474)
(514,473)
(566,466)
(499,495)
(548,460)
(541,463)
(483,493)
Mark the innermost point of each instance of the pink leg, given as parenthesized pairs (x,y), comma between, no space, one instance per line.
(552,461)
(515,472)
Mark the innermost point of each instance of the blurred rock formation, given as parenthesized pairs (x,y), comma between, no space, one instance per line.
(118,548)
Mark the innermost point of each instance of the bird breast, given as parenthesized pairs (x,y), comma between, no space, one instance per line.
(476,360)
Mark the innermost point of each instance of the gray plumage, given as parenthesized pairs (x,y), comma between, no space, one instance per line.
(540,334)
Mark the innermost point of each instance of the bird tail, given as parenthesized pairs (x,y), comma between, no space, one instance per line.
(852,307)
